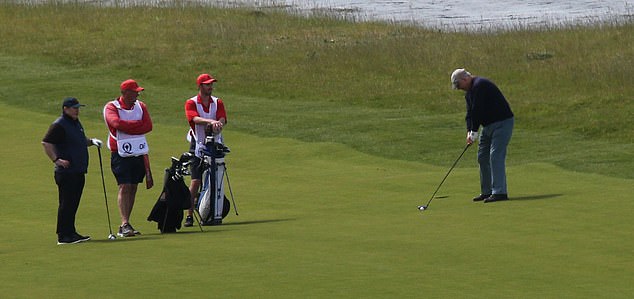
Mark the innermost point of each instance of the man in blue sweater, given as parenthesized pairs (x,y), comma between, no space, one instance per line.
(66,145)
(487,108)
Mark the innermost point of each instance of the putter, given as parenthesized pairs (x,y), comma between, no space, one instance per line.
(425,207)
(111,236)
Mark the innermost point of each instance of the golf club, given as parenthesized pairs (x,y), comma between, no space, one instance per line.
(103,183)
(425,207)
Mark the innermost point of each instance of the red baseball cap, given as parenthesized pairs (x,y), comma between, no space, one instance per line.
(205,79)
(131,85)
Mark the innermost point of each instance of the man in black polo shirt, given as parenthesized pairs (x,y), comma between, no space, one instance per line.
(66,145)
(487,108)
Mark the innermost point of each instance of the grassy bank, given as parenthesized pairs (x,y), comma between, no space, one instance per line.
(379,88)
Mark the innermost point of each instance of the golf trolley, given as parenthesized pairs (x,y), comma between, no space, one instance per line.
(213,205)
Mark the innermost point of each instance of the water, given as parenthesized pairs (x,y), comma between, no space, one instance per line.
(443,15)
(467,14)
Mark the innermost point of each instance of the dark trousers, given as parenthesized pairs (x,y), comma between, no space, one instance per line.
(70,187)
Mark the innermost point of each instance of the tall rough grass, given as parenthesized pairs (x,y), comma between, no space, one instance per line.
(380,88)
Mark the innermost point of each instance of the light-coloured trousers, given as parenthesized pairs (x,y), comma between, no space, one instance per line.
(494,140)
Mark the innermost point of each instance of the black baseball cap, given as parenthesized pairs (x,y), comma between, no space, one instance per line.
(72,102)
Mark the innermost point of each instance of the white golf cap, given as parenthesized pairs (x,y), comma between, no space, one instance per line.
(458,74)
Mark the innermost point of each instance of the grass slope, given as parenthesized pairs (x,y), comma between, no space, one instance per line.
(379,88)
(320,220)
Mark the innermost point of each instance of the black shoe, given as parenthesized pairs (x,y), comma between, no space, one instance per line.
(496,197)
(68,240)
(481,197)
(82,238)
(189,221)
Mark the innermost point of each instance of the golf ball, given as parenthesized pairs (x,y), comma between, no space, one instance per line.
(422,208)
(111,237)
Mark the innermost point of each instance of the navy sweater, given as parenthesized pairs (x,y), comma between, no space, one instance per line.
(70,143)
(485,104)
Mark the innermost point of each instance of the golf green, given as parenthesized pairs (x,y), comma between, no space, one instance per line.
(318,220)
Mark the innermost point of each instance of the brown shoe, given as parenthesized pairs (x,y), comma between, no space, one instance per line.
(481,197)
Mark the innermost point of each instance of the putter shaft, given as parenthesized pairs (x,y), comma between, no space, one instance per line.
(425,207)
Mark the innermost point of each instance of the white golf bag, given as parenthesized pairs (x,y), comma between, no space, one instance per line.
(213,205)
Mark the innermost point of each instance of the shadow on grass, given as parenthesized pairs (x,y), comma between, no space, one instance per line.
(197,231)
(128,239)
(526,197)
(534,197)
(152,236)
(258,221)
(206,229)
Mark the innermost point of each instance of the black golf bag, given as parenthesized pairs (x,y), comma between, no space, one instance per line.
(175,197)
(212,204)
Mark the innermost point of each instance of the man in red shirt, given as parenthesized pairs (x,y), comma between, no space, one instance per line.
(128,121)
(204,113)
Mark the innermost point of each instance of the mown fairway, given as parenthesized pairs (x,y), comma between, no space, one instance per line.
(330,157)
(321,220)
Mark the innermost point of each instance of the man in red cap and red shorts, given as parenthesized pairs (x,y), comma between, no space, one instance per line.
(204,112)
(128,121)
